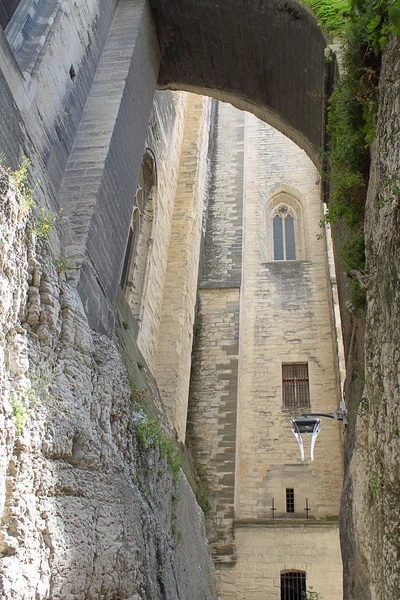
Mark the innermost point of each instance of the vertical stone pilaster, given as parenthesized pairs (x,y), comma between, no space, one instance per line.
(173,357)
(214,385)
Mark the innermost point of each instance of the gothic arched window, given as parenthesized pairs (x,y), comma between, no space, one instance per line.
(293,585)
(135,268)
(283,225)
(134,229)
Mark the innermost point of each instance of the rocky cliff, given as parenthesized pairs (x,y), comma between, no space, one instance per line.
(93,505)
(371,500)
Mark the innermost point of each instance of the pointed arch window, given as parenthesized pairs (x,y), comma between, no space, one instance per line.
(138,249)
(135,228)
(283,225)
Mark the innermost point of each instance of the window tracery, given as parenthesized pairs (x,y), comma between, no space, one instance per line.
(283,225)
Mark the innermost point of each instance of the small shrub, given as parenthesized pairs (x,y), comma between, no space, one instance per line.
(150,434)
(138,394)
(20,412)
(357,302)
(390,191)
(45,223)
(21,178)
(176,535)
(376,483)
(41,380)
(161,575)
(352,252)
(202,493)
(311,594)
(63,265)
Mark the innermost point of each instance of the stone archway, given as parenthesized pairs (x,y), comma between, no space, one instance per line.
(263,56)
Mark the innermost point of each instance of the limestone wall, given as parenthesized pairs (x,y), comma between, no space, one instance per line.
(254,314)
(164,139)
(49,98)
(285,318)
(260,550)
(173,358)
(213,391)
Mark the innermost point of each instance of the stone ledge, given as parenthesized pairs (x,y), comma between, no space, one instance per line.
(327,522)
(211,285)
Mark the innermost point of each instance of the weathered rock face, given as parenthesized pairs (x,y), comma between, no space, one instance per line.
(88,511)
(371,507)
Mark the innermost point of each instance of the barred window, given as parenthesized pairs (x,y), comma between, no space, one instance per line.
(295,385)
(289,500)
(293,585)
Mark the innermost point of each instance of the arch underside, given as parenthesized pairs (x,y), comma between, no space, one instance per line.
(263,56)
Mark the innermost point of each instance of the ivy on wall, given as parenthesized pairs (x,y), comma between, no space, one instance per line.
(364,27)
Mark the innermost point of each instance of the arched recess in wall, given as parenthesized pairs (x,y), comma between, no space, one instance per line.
(263,56)
(282,216)
(137,254)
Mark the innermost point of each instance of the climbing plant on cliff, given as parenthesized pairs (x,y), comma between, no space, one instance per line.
(365,27)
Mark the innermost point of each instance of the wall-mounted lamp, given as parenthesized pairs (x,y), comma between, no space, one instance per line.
(306,425)
(309,423)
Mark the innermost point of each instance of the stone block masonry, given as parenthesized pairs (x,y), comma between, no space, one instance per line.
(264,56)
(213,410)
(99,183)
(51,101)
(173,356)
(255,314)
(164,140)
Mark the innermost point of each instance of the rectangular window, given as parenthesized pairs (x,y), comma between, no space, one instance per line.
(289,500)
(293,585)
(295,385)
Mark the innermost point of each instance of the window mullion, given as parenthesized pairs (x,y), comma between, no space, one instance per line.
(283,237)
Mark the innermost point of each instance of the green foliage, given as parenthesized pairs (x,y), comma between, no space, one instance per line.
(151,434)
(376,483)
(202,491)
(391,190)
(198,327)
(357,301)
(63,265)
(352,252)
(311,594)
(138,394)
(42,378)
(176,535)
(352,256)
(352,111)
(45,222)
(383,23)
(331,14)
(21,178)
(20,412)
